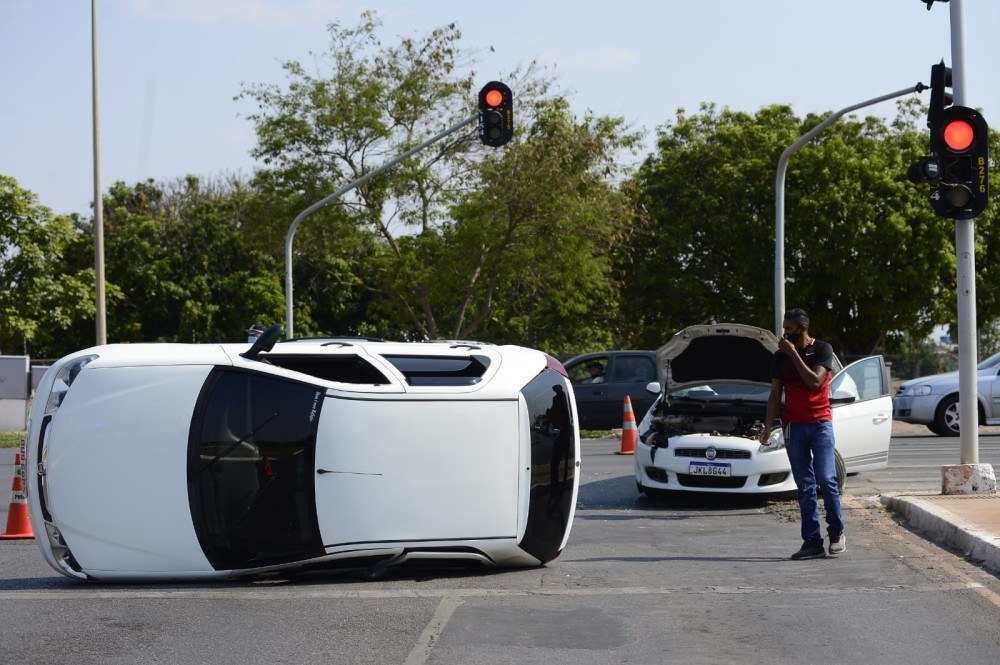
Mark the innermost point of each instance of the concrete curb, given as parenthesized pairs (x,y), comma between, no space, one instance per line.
(944,528)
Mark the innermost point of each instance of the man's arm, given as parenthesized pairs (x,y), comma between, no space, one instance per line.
(773,406)
(812,379)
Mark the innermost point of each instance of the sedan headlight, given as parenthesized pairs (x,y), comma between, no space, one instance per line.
(64,379)
(774,442)
(918,390)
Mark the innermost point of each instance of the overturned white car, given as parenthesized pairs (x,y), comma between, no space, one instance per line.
(702,433)
(154,461)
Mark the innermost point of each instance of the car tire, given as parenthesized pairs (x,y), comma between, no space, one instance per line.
(841,471)
(841,475)
(946,417)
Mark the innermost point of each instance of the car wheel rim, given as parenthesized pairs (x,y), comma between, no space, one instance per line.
(951,417)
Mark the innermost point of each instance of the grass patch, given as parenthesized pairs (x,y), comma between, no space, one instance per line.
(597,433)
(11,439)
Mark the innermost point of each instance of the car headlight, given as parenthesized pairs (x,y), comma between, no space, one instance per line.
(774,442)
(921,390)
(64,379)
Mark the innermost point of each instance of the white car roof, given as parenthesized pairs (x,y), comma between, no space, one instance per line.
(508,370)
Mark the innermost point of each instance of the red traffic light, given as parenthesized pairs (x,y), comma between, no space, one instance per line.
(959,135)
(493,98)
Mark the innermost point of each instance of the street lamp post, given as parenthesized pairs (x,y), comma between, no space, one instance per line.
(965,258)
(290,235)
(779,193)
(100,314)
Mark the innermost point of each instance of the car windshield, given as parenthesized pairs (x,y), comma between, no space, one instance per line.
(251,470)
(992,361)
(724,392)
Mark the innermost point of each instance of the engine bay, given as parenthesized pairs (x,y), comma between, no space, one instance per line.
(702,417)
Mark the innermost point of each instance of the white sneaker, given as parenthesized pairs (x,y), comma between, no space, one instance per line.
(838,546)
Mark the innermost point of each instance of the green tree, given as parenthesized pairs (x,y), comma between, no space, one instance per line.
(526,257)
(40,298)
(864,253)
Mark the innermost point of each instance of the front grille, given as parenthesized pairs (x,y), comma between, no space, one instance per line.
(733,482)
(772,478)
(720,453)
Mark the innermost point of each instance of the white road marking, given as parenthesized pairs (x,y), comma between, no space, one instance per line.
(287,592)
(421,651)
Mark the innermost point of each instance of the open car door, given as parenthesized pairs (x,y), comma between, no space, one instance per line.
(862,414)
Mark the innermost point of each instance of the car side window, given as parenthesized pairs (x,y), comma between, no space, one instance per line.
(633,369)
(862,380)
(591,370)
(342,368)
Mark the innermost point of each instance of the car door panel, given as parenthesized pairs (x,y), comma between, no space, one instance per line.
(863,428)
(420,470)
(591,398)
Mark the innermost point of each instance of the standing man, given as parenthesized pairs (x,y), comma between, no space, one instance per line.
(801,368)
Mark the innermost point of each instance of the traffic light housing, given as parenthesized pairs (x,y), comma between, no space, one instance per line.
(960,144)
(958,167)
(496,114)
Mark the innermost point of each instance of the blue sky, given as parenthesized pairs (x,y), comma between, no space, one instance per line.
(170,68)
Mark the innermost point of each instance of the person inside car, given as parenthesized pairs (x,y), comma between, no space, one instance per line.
(802,368)
(596,370)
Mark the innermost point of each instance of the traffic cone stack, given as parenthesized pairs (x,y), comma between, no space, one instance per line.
(630,433)
(18,522)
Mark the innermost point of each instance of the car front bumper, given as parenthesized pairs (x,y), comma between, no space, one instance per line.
(761,473)
(915,409)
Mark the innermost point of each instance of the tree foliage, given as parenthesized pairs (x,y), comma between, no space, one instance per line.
(864,253)
(40,296)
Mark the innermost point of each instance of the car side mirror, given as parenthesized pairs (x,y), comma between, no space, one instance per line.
(842,397)
(653,387)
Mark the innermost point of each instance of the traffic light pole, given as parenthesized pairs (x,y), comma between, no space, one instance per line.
(290,235)
(779,193)
(965,258)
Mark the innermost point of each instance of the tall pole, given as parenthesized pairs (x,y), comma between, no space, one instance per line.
(965,257)
(101,317)
(779,193)
(294,226)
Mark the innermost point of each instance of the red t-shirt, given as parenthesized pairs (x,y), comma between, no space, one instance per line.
(802,404)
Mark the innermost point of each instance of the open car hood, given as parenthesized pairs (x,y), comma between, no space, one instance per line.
(718,352)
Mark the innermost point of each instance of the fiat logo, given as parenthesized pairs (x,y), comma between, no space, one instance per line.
(710,452)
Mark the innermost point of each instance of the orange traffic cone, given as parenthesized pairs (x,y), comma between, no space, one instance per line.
(18,522)
(630,434)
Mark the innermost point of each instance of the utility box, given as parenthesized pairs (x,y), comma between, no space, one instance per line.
(14,371)
(14,391)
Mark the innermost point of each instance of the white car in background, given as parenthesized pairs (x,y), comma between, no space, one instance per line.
(159,461)
(702,433)
(933,400)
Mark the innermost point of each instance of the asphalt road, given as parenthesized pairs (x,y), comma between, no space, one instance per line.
(915,464)
(691,580)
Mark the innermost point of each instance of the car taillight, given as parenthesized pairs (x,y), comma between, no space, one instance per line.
(554,364)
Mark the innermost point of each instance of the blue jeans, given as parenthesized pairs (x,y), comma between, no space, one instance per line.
(810,452)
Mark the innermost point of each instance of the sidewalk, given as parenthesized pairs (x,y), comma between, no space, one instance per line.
(968,523)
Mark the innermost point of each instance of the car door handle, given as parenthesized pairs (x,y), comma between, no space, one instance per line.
(880,418)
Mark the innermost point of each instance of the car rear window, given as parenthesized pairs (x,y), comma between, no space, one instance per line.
(343,368)
(440,370)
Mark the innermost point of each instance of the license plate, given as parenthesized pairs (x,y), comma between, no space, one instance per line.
(710,469)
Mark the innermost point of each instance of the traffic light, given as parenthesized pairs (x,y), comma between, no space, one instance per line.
(960,142)
(957,168)
(496,114)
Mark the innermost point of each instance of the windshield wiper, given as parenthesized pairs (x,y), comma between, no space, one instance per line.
(242,440)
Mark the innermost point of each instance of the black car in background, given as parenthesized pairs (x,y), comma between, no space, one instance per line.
(601,381)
